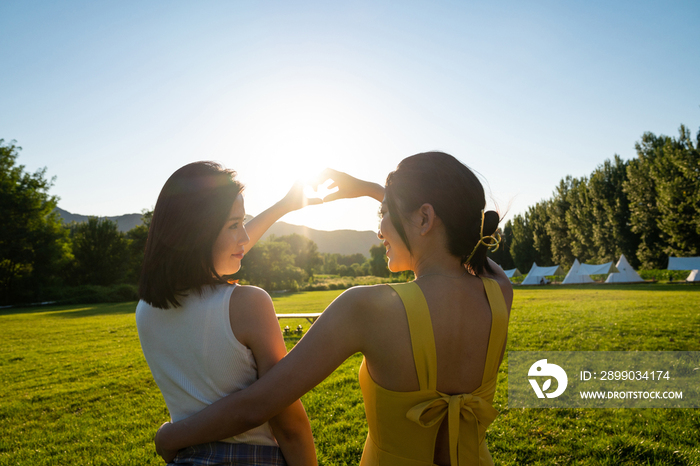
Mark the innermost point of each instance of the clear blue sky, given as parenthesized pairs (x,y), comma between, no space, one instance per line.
(112,97)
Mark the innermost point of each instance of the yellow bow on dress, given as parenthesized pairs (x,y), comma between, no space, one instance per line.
(476,413)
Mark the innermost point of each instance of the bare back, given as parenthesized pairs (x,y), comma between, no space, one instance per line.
(461,318)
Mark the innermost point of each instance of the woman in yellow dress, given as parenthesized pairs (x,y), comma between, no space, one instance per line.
(431,347)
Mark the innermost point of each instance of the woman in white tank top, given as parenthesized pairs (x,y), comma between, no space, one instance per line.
(204,338)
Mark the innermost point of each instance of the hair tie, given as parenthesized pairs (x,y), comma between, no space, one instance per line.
(491,241)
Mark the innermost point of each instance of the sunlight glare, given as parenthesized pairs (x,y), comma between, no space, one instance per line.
(321,190)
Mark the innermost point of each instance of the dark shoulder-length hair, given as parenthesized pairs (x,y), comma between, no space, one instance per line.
(457,197)
(191,210)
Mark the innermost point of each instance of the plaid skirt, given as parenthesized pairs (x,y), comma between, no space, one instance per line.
(229,454)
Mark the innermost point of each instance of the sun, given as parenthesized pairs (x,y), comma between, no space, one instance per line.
(312,190)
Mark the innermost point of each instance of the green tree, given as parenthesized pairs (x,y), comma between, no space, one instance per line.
(330,263)
(641,192)
(663,188)
(100,251)
(541,240)
(677,173)
(136,238)
(378,261)
(34,247)
(357,258)
(580,220)
(557,226)
(611,227)
(522,247)
(270,265)
(305,252)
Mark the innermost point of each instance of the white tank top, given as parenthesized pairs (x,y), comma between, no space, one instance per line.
(195,358)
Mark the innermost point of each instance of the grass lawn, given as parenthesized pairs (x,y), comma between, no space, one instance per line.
(76,390)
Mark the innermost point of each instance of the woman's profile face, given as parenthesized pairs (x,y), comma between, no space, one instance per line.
(396,250)
(227,251)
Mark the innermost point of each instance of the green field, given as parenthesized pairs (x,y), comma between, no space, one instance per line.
(77,391)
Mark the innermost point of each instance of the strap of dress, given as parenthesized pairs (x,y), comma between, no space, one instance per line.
(499,326)
(421,329)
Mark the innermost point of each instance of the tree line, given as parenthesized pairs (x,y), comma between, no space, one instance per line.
(647,208)
(41,258)
(289,262)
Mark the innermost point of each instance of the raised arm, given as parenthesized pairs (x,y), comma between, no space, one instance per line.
(350,187)
(293,200)
(335,336)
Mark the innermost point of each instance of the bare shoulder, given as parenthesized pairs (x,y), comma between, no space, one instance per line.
(360,306)
(503,282)
(366,298)
(506,288)
(246,295)
(252,316)
(250,303)
(354,318)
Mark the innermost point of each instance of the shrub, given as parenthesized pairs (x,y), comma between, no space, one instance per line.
(123,293)
(90,294)
(664,275)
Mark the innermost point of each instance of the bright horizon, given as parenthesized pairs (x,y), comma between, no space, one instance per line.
(113,98)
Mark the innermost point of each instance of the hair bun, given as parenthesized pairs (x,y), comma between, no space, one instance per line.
(491,220)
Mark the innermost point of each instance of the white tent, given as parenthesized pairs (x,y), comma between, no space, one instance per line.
(510,273)
(626,273)
(579,273)
(686,263)
(598,269)
(537,274)
(575,276)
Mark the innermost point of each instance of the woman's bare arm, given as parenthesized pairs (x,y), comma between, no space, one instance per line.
(350,187)
(295,199)
(335,336)
(255,325)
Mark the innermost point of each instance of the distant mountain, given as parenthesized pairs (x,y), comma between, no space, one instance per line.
(124,222)
(339,241)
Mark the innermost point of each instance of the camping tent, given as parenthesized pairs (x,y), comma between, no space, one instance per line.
(510,273)
(598,269)
(579,273)
(626,273)
(686,263)
(575,275)
(537,274)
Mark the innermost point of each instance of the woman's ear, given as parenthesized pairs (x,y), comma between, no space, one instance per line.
(427,218)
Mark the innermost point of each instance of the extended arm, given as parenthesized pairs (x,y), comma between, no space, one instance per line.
(348,187)
(334,337)
(293,200)
(351,187)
